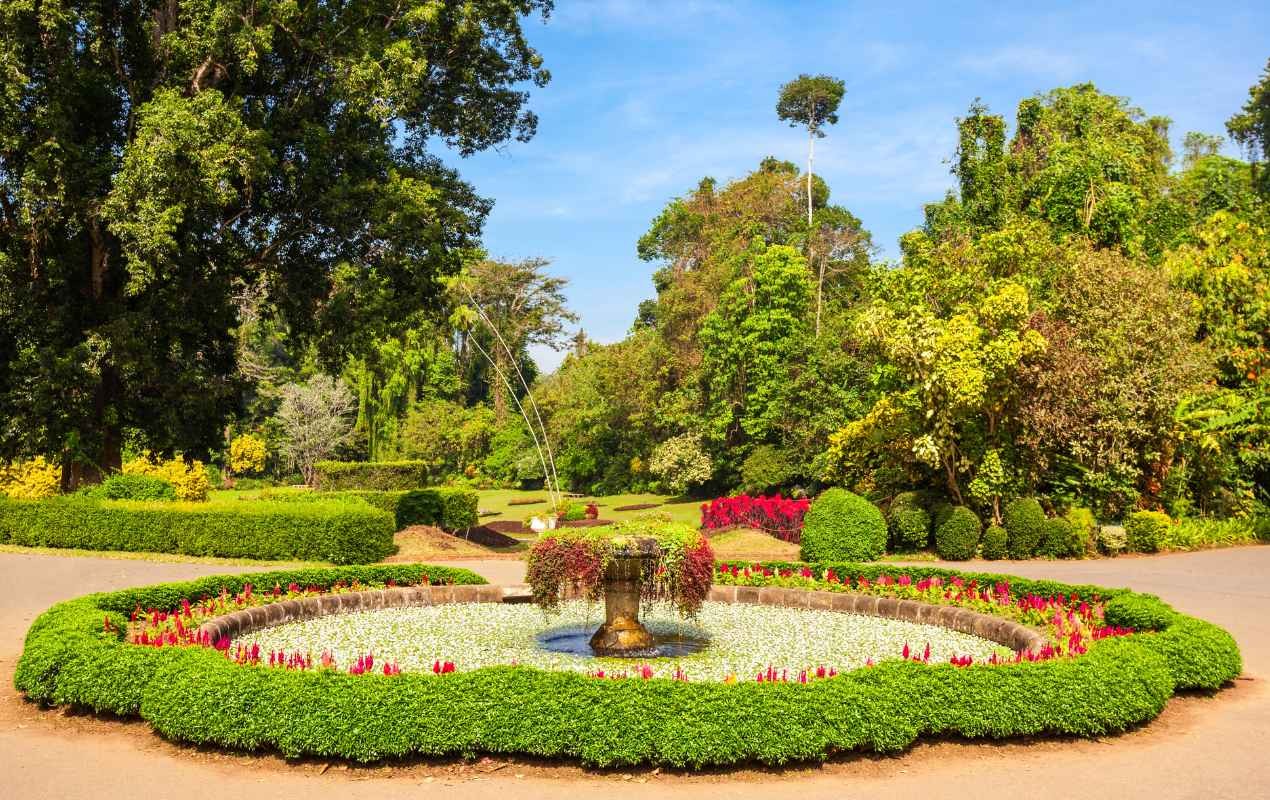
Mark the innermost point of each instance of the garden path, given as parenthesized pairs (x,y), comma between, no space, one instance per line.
(1199,747)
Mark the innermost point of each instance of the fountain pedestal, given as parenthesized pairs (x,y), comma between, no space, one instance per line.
(622,634)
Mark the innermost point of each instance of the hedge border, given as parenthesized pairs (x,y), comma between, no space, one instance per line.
(195,695)
(341,533)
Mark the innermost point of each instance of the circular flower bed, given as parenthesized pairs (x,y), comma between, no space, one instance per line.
(744,640)
(1114,660)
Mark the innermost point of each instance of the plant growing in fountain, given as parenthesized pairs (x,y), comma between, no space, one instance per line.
(640,561)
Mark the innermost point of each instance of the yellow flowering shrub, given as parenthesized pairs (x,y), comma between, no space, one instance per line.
(247,455)
(189,480)
(34,479)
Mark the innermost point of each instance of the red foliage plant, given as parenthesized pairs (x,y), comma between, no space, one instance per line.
(778,516)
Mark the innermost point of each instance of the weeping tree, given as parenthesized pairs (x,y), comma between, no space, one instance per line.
(811,102)
(156,158)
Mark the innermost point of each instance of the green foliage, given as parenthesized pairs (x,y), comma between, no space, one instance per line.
(448,508)
(908,522)
(1113,539)
(1085,528)
(1061,539)
(134,487)
(32,479)
(153,171)
(1147,530)
(1196,533)
(1251,126)
(380,476)
(957,538)
(448,436)
(337,532)
(768,469)
(197,696)
(811,102)
(995,543)
(680,463)
(841,525)
(1025,524)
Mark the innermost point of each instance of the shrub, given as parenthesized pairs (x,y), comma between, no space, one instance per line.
(33,479)
(995,545)
(958,538)
(247,455)
(1085,527)
(1112,539)
(189,479)
(450,508)
(842,526)
(1024,521)
(340,533)
(196,695)
(779,516)
(1193,533)
(680,463)
(767,468)
(384,476)
(1060,539)
(1146,530)
(909,522)
(135,487)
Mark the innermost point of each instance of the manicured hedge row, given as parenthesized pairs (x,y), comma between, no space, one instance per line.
(385,476)
(341,533)
(449,508)
(196,695)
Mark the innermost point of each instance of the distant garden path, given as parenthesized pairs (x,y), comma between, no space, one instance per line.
(1210,747)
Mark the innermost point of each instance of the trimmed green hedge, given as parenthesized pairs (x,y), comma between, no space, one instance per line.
(957,538)
(196,695)
(133,487)
(385,476)
(909,522)
(1147,530)
(994,543)
(1024,522)
(337,532)
(449,508)
(842,525)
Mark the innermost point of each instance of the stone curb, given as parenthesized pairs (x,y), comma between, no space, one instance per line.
(1002,631)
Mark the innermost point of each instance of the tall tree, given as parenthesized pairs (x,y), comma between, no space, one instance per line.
(523,305)
(156,157)
(811,102)
(1251,126)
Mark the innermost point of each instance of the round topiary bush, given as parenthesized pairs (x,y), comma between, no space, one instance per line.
(1085,526)
(1024,526)
(994,543)
(1146,529)
(1061,539)
(842,526)
(136,487)
(958,538)
(909,522)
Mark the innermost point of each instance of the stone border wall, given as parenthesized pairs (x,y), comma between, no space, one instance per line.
(996,629)
(1002,631)
(250,619)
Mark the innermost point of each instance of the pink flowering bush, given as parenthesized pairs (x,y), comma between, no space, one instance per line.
(779,516)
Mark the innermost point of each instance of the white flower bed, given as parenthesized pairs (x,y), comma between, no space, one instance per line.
(744,639)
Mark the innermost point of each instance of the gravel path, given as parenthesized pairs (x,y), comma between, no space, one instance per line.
(1200,747)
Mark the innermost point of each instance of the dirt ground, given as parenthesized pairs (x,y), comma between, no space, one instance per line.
(1209,747)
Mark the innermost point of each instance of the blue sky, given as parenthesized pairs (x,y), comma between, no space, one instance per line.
(647,97)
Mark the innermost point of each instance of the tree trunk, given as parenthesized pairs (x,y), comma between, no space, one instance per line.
(811,248)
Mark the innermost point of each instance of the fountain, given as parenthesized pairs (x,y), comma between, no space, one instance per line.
(627,565)
(622,634)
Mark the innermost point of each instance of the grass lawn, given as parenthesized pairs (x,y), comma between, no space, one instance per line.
(751,545)
(500,501)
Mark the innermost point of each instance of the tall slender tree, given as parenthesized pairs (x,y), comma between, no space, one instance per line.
(812,102)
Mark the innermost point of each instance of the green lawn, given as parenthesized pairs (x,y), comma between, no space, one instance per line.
(499,500)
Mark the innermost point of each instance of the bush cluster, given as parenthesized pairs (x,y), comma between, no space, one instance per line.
(33,479)
(1060,539)
(337,532)
(188,478)
(909,522)
(134,487)
(995,544)
(1147,530)
(779,516)
(449,508)
(1024,521)
(384,476)
(841,525)
(957,539)
(196,695)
